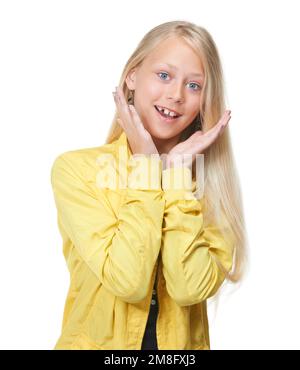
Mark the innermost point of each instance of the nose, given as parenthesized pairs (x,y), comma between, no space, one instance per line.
(175,93)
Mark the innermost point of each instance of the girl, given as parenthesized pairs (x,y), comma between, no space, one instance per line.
(144,259)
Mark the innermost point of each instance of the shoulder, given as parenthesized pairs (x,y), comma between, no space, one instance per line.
(83,162)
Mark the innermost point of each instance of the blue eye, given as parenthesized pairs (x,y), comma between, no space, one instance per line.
(199,87)
(165,73)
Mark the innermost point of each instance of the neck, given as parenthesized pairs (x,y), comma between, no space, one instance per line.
(165,145)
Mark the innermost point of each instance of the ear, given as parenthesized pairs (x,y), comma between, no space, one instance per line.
(130,79)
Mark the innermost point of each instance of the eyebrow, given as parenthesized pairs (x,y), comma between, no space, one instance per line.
(174,67)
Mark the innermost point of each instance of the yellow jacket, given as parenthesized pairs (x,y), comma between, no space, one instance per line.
(114,242)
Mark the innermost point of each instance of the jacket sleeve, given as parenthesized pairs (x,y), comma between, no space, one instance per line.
(190,252)
(120,249)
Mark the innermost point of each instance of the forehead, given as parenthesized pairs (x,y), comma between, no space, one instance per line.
(177,55)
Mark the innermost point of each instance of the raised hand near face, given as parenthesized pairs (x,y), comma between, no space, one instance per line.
(195,144)
(139,138)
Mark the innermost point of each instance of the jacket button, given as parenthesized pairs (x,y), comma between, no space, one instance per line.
(154,292)
(153,301)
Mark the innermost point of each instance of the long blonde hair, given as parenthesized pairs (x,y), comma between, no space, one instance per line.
(222,194)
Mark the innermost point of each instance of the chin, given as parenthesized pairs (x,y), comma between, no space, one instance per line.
(158,133)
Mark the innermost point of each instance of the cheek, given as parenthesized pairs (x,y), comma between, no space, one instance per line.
(155,91)
(152,89)
(190,115)
(192,110)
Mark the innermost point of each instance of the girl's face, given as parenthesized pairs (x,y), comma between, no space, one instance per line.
(178,88)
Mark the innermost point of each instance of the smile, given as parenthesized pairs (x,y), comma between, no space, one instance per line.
(165,115)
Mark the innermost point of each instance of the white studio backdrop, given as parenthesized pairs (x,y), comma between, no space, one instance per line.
(59,63)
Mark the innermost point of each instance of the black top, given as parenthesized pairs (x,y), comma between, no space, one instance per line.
(149,339)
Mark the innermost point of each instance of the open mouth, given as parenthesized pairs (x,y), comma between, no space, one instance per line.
(166,117)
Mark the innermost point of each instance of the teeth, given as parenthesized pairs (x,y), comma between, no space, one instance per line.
(167,112)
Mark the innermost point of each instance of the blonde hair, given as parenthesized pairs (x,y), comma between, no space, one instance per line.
(222,195)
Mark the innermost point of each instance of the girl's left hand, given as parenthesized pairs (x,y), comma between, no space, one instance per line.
(196,144)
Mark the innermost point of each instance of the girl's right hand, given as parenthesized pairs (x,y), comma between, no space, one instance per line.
(139,138)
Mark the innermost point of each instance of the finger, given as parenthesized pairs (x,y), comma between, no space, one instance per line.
(117,100)
(135,115)
(225,124)
(222,128)
(123,107)
(215,129)
(214,132)
(224,117)
(121,114)
(121,99)
(120,123)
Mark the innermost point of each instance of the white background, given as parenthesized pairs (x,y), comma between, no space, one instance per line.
(59,63)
